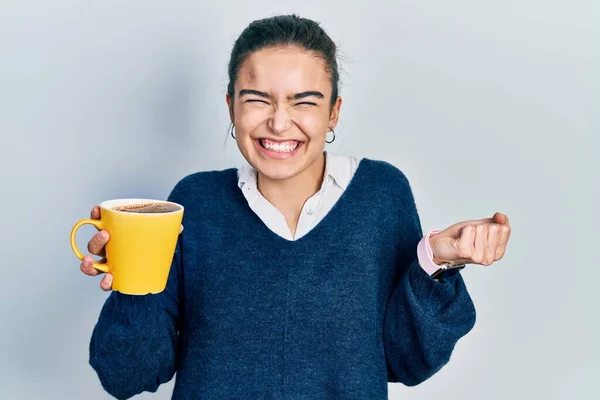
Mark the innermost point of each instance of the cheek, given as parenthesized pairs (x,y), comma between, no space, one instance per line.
(249,118)
(314,125)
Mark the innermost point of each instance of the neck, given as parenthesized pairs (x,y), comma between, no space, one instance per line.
(289,195)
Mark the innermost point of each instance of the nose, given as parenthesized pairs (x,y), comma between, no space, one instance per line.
(279,121)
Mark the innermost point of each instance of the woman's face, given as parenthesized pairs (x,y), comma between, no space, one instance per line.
(282,111)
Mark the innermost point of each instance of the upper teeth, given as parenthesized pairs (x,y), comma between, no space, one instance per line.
(283,147)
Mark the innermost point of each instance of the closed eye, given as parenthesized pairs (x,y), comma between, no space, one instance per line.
(305,103)
(256,101)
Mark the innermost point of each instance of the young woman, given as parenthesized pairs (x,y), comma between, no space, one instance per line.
(304,275)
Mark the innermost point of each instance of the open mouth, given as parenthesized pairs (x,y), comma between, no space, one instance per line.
(287,146)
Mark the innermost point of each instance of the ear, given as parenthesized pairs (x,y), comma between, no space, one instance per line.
(335,113)
(229,102)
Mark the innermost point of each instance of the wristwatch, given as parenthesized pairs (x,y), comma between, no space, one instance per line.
(445,268)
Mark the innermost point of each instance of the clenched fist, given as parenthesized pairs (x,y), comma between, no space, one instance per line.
(480,241)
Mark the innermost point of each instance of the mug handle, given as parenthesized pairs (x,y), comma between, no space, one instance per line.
(98,224)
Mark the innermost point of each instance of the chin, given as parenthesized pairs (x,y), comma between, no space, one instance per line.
(278,169)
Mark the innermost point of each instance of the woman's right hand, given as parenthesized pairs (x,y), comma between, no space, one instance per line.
(96,246)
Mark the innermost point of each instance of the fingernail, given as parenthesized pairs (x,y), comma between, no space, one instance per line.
(102,235)
(86,262)
(109,279)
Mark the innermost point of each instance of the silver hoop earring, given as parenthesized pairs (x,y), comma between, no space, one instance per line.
(231,131)
(333,139)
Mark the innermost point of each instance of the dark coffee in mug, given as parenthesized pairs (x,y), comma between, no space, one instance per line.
(148,208)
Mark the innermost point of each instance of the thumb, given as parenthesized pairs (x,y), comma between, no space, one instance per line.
(500,218)
(455,229)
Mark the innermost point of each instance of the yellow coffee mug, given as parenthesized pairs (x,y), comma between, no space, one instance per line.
(141,246)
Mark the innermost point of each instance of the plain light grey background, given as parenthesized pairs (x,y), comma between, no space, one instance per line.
(485,105)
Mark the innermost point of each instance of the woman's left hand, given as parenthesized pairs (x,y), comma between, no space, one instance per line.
(480,241)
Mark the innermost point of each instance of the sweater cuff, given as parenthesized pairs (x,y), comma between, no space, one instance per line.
(133,310)
(428,290)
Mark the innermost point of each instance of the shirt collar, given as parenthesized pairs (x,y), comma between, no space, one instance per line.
(337,167)
(247,176)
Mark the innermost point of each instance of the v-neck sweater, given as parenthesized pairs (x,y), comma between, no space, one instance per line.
(247,314)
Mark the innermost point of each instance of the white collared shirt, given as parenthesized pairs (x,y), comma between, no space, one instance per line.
(339,170)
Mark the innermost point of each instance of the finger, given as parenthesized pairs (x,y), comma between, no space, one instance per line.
(503,241)
(181,229)
(493,236)
(106,282)
(95,213)
(97,243)
(87,268)
(480,244)
(472,222)
(465,242)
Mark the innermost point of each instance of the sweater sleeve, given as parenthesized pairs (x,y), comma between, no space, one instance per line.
(135,341)
(424,317)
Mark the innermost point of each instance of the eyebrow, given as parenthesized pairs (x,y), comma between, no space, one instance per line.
(296,96)
(303,95)
(245,92)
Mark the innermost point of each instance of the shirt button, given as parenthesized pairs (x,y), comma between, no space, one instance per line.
(310,211)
